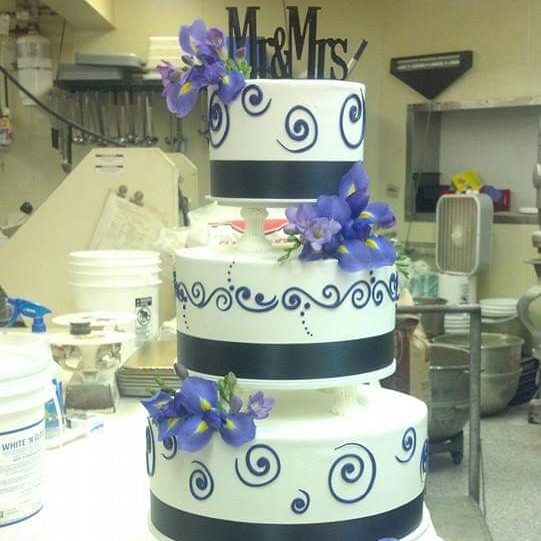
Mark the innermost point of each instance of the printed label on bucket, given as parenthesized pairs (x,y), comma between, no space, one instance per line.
(21,461)
(143,323)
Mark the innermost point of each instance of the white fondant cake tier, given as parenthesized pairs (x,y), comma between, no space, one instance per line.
(285,139)
(354,456)
(262,319)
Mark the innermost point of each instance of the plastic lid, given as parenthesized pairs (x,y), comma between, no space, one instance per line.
(22,355)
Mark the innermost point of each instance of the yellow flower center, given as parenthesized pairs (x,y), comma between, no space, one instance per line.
(342,249)
(201,427)
(186,87)
(371,243)
(205,404)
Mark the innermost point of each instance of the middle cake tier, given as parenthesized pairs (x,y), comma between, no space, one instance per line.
(266,320)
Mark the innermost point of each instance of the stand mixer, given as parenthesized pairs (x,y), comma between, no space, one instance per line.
(532,294)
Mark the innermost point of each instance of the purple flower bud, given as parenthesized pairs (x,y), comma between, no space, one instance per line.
(235,404)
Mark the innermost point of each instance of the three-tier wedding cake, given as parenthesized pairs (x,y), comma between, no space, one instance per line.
(339,457)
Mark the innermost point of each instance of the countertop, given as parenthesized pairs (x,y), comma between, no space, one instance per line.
(96,487)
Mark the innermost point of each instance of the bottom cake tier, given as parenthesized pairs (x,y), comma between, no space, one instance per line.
(342,463)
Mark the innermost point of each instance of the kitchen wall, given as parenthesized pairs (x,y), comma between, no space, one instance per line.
(504,35)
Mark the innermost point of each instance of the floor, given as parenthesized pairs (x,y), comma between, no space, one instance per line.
(512,475)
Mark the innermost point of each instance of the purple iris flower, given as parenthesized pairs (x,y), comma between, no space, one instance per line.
(200,398)
(260,406)
(206,57)
(355,254)
(494,194)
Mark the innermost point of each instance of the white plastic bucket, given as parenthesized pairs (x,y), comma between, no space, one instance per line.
(119,280)
(23,391)
(137,297)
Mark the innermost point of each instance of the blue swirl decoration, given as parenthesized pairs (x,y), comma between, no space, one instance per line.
(170,447)
(252,101)
(150,450)
(409,445)
(198,297)
(301,503)
(301,127)
(243,296)
(219,122)
(261,467)
(360,293)
(353,113)
(201,482)
(380,288)
(348,472)
(425,455)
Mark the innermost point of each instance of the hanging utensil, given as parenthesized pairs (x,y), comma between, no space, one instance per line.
(130,112)
(150,138)
(139,119)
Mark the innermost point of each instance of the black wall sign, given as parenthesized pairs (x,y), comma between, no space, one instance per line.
(431,74)
(277,55)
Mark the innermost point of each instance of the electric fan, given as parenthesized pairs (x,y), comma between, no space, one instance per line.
(464,236)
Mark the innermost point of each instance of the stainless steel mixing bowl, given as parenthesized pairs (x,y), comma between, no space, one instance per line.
(449,379)
(500,367)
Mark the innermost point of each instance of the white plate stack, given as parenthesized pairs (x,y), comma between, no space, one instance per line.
(496,309)
(457,324)
(160,49)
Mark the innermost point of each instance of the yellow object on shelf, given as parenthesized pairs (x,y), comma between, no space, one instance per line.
(467,180)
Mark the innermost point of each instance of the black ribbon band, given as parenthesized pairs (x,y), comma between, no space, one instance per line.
(275,180)
(286,361)
(181,526)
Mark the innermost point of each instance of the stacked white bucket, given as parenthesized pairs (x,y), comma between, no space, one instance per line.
(119,281)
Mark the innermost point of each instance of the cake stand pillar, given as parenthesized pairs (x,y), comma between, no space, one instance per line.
(254,239)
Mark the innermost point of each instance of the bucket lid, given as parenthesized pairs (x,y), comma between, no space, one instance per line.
(22,356)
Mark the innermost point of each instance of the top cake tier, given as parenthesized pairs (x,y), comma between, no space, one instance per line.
(284,139)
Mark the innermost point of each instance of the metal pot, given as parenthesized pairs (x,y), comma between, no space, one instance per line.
(433,324)
(449,379)
(500,367)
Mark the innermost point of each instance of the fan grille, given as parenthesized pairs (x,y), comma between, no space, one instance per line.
(458,223)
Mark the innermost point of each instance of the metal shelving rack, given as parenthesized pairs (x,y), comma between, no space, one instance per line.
(460,518)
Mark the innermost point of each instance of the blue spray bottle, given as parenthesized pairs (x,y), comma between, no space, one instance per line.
(54,410)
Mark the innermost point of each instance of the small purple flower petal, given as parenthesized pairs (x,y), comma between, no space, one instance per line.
(216,40)
(354,255)
(232,82)
(380,214)
(199,395)
(333,207)
(213,418)
(169,427)
(156,403)
(191,37)
(494,194)
(259,406)
(181,99)
(362,229)
(383,251)
(237,429)
(355,180)
(194,433)
(235,404)
(169,74)
(321,231)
